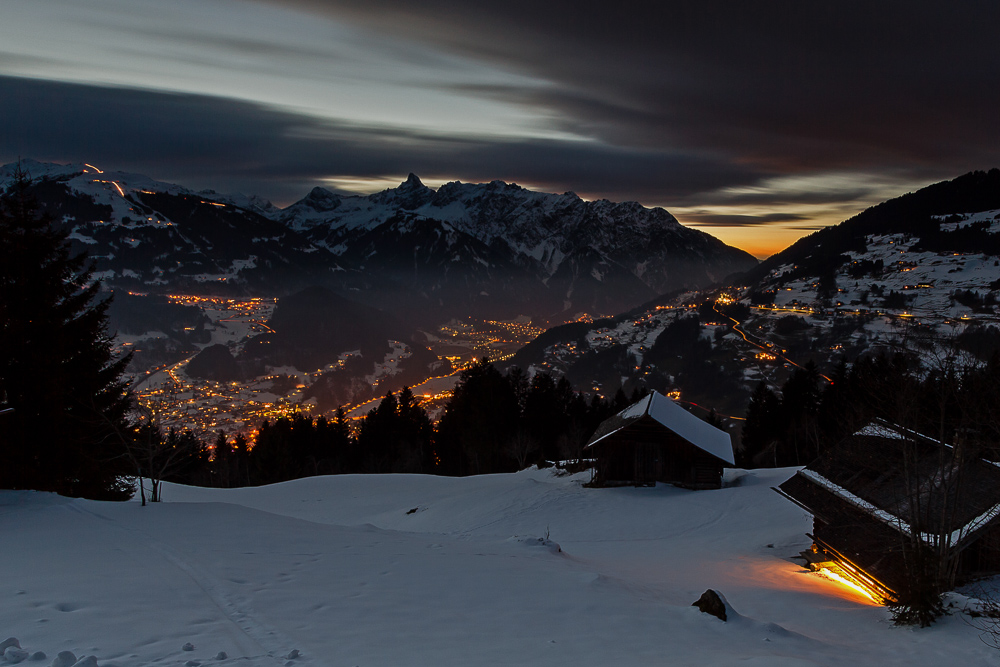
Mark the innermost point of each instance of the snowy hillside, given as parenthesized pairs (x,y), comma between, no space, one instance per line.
(414,570)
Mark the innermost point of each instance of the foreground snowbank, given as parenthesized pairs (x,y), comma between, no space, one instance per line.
(412,570)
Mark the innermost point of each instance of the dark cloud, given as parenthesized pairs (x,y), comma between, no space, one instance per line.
(677,104)
(228,145)
(786,86)
(730,220)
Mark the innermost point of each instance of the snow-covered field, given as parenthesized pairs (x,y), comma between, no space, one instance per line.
(418,570)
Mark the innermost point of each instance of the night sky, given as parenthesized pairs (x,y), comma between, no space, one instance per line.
(755,121)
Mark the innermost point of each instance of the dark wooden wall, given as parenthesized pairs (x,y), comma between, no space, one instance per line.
(645,452)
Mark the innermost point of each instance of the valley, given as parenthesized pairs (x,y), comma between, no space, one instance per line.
(178,400)
(237,311)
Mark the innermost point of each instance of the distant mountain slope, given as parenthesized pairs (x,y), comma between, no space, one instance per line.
(142,233)
(913,213)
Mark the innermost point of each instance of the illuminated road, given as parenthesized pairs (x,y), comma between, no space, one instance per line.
(766,347)
(149,375)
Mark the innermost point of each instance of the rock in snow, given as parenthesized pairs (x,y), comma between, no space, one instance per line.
(712,602)
(10,641)
(14,654)
(64,659)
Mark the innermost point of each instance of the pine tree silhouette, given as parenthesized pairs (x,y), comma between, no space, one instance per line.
(57,368)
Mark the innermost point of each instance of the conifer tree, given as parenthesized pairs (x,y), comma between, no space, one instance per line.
(58,372)
(479,421)
(762,426)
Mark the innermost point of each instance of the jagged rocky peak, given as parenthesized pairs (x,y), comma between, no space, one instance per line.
(412,182)
(410,194)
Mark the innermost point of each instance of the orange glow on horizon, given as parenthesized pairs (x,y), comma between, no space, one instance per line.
(761,241)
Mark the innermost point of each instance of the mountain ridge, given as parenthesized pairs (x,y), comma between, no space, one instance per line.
(494,249)
(909,213)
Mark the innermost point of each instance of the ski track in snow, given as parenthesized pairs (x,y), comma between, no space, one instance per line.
(255,638)
(337,567)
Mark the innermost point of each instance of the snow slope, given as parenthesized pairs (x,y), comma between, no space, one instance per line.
(420,570)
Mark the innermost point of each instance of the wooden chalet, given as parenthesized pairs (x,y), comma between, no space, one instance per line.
(656,440)
(871,492)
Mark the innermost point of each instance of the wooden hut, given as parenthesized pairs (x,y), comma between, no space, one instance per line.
(656,440)
(886,491)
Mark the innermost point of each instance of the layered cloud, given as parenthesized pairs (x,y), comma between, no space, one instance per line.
(229,144)
(764,115)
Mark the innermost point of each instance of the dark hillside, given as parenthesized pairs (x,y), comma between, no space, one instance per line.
(912,213)
(314,326)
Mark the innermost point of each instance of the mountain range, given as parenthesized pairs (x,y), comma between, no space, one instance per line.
(492,249)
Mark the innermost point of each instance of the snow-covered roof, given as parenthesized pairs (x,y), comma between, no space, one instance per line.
(871,477)
(882,429)
(898,522)
(699,433)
